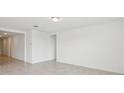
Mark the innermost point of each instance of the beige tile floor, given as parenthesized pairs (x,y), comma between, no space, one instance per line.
(10,66)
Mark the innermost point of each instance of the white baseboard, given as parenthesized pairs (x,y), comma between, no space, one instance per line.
(93,68)
(39,61)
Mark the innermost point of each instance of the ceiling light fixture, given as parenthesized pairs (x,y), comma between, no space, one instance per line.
(36,26)
(55,19)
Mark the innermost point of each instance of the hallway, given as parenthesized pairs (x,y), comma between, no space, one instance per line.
(10,66)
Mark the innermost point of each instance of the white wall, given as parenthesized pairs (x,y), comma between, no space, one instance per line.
(42,46)
(18,47)
(98,46)
(28,46)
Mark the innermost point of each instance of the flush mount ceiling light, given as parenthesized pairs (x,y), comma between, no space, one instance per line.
(35,26)
(55,19)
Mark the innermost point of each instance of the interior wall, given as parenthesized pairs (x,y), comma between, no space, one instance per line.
(18,47)
(100,46)
(28,43)
(42,46)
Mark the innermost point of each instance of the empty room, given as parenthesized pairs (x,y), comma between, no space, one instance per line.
(61,45)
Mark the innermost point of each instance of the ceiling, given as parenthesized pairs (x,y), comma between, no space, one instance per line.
(9,34)
(46,24)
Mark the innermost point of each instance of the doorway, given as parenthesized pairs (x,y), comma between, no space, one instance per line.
(13,45)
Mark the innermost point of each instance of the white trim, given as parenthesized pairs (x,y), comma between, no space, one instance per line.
(40,61)
(25,50)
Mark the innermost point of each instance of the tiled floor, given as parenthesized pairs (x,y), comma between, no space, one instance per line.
(9,66)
